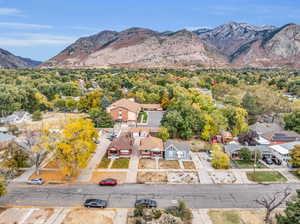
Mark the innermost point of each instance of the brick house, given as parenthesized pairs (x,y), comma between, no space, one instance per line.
(127,110)
(124,110)
(120,147)
(151,147)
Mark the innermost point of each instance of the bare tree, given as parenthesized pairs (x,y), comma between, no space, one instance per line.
(271,202)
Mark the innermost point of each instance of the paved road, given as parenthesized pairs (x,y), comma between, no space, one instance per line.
(123,196)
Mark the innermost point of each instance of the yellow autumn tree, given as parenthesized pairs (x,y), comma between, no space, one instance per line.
(76,145)
(295,157)
(220,160)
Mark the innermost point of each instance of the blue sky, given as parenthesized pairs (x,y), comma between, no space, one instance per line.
(40,29)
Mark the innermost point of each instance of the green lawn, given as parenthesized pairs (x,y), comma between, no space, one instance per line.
(122,163)
(266,176)
(143,117)
(244,164)
(104,163)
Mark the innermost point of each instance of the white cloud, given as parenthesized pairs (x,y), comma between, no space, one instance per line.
(35,39)
(24,25)
(9,12)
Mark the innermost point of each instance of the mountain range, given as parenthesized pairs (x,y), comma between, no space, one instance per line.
(8,60)
(232,45)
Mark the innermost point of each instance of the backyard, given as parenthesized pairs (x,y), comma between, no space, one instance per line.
(266,176)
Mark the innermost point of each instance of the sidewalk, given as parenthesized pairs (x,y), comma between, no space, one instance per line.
(134,163)
(86,174)
(200,216)
(202,172)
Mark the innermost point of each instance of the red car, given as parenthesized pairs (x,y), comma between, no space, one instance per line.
(108,182)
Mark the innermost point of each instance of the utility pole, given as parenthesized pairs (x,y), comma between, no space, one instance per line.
(254,165)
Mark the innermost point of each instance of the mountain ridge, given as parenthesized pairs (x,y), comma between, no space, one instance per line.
(231,45)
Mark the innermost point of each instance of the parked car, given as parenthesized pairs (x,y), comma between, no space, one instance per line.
(37,181)
(95,203)
(276,161)
(268,160)
(108,182)
(145,203)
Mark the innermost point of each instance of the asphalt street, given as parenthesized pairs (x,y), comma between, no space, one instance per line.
(124,196)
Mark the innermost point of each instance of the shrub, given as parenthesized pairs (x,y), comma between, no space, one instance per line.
(245,154)
(220,160)
(37,116)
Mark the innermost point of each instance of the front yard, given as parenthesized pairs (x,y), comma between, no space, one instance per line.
(236,216)
(104,162)
(119,176)
(189,165)
(90,216)
(266,176)
(153,177)
(242,164)
(122,163)
(147,164)
(52,176)
(169,164)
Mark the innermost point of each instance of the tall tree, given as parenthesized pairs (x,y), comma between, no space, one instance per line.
(295,157)
(291,214)
(76,145)
(249,104)
(292,121)
(101,118)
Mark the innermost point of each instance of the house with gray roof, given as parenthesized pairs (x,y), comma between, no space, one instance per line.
(263,128)
(233,149)
(176,150)
(5,139)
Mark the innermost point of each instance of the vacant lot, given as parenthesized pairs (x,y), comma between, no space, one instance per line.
(52,119)
(168,164)
(120,176)
(199,146)
(155,177)
(189,165)
(122,163)
(237,217)
(52,164)
(104,163)
(266,176)
(52,176)
(90,216)
(147,164)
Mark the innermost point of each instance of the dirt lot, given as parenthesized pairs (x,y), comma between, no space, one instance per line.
(155,177)
(120,176)
(53,119)
(147,164)
(237,217)
(199,146)
(51,176)
(15,215)
(168,164)
(52,164)
(189,165)
(90,216)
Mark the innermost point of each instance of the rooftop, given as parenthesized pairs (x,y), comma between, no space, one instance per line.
(180,145)
(263,128)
